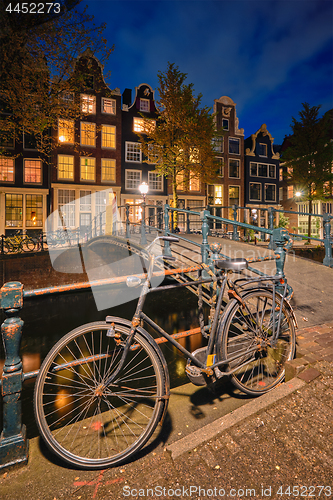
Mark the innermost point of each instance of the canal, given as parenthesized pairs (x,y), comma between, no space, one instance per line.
(48,318)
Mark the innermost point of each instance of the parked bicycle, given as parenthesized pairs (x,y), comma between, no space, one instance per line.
(18,243)
(104,387)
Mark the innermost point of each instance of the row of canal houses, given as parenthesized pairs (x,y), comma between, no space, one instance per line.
(98,162)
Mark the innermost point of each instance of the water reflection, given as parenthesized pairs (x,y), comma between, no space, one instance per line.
(47,319)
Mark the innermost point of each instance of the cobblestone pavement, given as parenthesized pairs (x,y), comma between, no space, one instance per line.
(282,451)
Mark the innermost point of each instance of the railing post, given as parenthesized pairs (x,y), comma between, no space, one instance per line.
(328,261)
(13,442)
(188,229)
(271,227)
(280,236)
(143,239)
(235,236)
(204,230)
(172,217)
(127,209)
(210,222)
(167,249)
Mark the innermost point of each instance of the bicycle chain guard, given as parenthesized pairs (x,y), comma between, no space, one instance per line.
(194,373)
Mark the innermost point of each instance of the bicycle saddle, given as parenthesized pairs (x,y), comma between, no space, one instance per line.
(231,264)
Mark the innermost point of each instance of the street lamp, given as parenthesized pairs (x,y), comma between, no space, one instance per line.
(143,188)
(298,194)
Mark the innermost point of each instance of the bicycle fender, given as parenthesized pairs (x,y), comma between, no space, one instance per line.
(152,342)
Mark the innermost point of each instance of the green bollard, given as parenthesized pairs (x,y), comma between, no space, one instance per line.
(167,249)
(328,260)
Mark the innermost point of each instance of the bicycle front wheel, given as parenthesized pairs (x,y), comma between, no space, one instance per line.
(258,352)
(84,421)
(28,245)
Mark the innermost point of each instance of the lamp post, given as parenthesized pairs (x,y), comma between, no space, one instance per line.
(143,188)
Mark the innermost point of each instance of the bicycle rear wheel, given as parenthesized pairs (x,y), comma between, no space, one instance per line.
(247,335)
(85,423)
(28,245)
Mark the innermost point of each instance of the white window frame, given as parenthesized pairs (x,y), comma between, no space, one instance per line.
(112,168)
(158,180)
(229,144)
(113,106)
(7,167)
(225,120)
(58,169)
(265,148)
(71,122)
(83,158)
(41,171)
(143,107)
(256,164)
(129,145)
(92,126)
(127,180)
(88,104)
(233,177)
(273,176)
(260,189)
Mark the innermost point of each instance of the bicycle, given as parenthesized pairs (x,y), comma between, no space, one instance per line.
(18,243)
(104,387)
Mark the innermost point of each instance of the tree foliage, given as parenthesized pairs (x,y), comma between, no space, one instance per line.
(181,143)
(37,58)
(309,155)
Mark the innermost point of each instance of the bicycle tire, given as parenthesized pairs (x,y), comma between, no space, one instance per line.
(28,245)
(250,327)
(7,247)
(93,427)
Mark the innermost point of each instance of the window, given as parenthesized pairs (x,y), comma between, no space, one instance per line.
(145,105)
(141,125)
(6,169)
(7,137)
(253,169)
(225,124)
(234,168)
(133,152)
(271,171)
(88,104)
(153,153)
(66,131)
(14,210)
(67,98)
(108,106)
(66,205)
(233,145)
(290,192)
(233,199)
(88,134)
(281,174)
(180,181)
(218,144)
(216,194)
(108,136)
(262,170)
(66,167)
(255,191)
(33,171)
(29,141)
(281,194)
(220,162)
(33,210)
(108,168)
(87,169)
(270,192)
(88,81)
(262,149)
(155,181)
(85,201)
(194,183)
(132,179)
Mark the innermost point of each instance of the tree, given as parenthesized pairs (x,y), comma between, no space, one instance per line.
(309,156)
(37,58)
(181,143)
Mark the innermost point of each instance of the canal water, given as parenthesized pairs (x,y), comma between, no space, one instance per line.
(48,318)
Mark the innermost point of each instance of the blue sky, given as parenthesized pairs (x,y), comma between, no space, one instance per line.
(269,56)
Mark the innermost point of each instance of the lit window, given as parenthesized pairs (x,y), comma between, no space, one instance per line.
(65,167)
(108,170)
(180,181)
(14,210)
(34,210)
(233,145)
(108,106)
(88,104)
(33,171)
(133,152)
(132,179)
(6,169)
(87,170)
(108,136)
(270,192)
(281,194)
(255,191)
(144,126)
(154,181)
(234,168)
(88,134)
(233,199)
(218,194)
(194,182)
(290,192)
(66,131)
(145,105)
(262,149)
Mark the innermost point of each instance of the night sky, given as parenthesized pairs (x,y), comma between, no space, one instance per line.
(269,56)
